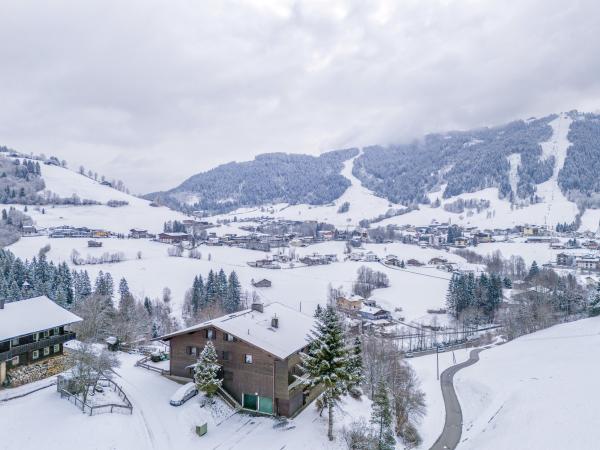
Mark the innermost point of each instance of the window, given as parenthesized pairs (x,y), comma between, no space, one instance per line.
(226,356)
(46,351)
(14,361)
(228,337)
(46,333)
(36,337)
(35,354)
(192,351)
(56,331)
(210,334)
(248,359)
(56,348)
(14,342)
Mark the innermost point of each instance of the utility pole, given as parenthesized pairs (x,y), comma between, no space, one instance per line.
(437,361)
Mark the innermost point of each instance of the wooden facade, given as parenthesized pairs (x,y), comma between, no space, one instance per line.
(248,372)
(32,348)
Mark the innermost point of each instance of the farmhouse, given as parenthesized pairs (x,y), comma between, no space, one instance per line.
(173,238)
(259,352)
(32,331)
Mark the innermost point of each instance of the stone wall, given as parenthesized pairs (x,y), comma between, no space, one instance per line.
(37,371)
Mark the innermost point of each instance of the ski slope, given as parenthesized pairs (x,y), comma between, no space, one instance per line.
(538,392)
(364,204)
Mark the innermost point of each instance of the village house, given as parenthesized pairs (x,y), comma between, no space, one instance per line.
(352,303)
(374,313)
(564,259)
(264,283)
(32,331)
(173,238)
(259,354)
(136,233)
(588,263)
(28,230)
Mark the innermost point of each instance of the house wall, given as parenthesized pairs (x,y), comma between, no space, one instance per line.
(2,372)
(267,376)
(239,377)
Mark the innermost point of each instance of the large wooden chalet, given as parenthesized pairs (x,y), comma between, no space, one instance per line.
(32,330)
(259,352)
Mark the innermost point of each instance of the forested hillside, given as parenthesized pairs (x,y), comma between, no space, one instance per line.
(465,161)
(579,178)
(269,178)
(19,183)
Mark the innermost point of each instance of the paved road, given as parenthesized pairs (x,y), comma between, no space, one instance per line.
(450,436)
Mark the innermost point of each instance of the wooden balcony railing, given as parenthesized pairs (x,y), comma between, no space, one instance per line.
(43,342)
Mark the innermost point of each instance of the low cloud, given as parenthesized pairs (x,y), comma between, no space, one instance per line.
(151,92)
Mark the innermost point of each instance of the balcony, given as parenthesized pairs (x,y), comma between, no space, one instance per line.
(44,342)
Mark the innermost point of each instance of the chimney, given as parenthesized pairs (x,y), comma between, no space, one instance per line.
(257,306)
(1,303)
(274,322)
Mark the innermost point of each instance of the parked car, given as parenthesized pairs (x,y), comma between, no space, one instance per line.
(183,394)
(409,355)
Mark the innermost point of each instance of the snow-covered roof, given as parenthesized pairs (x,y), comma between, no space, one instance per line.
(32,315)
(255,328)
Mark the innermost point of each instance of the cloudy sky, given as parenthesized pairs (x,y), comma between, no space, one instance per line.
(154,91)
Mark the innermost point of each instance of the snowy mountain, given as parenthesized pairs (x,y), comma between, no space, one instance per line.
(269,178)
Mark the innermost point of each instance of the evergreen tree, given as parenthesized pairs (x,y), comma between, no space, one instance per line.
(327,362)
(534,271)
(382,419)
(594,308)
(355,364)
(211,288)
(123,289)
(221,286)
(234,294)
(206,371)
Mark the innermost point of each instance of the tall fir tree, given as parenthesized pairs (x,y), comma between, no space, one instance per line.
(382,418)
(327,363)
(206,371)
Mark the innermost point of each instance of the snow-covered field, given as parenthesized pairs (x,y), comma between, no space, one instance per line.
(538,392)
(156,425)
(414,290)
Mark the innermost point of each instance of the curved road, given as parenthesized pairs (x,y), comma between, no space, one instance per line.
(451,433)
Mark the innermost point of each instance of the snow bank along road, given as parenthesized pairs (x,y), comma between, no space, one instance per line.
(450,436)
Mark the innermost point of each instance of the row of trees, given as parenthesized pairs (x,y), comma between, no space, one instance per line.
(480,296)
(215,295)
(368,280)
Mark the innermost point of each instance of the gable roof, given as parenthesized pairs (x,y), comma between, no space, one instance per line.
(255,328)
(32,315)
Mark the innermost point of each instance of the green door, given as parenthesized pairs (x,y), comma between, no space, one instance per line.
(250,401)
(265,405)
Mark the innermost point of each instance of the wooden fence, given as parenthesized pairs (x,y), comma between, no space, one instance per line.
(144,364)
(127,408)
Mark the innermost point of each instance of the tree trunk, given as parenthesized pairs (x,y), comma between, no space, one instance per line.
(330,424)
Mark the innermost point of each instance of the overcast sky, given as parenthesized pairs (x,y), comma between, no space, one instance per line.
(153,92)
